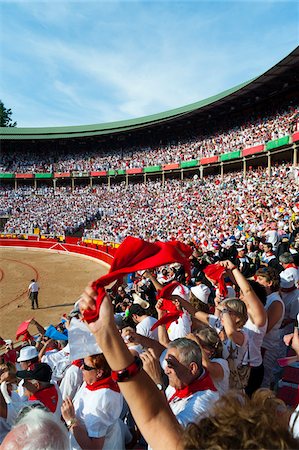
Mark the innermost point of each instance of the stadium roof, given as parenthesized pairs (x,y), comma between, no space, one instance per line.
(272,82)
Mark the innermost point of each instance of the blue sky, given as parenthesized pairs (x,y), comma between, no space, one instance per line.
(83,62)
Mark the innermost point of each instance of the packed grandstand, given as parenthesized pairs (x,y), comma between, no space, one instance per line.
(206,217)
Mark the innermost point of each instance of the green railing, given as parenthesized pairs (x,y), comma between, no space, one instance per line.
(231,155)
(43,175)
(278,143)
(191,163)
(149,169)
(7,175)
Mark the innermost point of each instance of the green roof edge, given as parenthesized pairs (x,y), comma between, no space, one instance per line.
(112,127)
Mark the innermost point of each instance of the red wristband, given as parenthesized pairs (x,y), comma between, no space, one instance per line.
(128,372)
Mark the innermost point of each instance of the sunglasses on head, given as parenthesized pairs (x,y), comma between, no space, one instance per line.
(88,368)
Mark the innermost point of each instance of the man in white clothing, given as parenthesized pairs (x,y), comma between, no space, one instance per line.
(33,289)
(143,321)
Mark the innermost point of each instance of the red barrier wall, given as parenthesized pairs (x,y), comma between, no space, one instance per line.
(103,173)
(253,150)
(210,160)
(295,136)
(24,175)
(137,170)
(62,174)
(171,166)
(46,245)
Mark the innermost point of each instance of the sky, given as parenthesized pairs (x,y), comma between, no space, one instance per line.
(80,62)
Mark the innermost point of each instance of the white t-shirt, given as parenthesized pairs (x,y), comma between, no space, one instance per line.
(192,408)
(294,423)
(71,382)
(99,410)
(272,236)
(144,328)
(222,386)
(58,361)
(255,339)
(33,286)
(180,328)
(272,338)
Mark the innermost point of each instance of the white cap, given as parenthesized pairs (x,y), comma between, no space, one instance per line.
(182,291)
(201,292)
(137,299)
(27,353)
(8,341)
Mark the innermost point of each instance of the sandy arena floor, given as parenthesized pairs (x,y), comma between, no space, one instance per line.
(61,277)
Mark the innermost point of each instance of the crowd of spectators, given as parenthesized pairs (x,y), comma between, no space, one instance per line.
(203,211)
(196,146)
(186,354)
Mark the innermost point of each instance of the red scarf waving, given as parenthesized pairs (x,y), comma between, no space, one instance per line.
(173,313)
(135,254)
(104,383)
(215,273)
(203,383)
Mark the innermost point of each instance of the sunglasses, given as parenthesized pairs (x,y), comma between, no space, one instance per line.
(87,368)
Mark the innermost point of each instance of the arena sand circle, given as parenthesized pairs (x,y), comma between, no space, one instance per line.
(62,277)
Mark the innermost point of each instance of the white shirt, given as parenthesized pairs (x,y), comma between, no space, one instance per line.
(71,382)
(33,286)
(144,328)
(99,410)
(222,386)
(255,339)
(180,328)
(58,361)
(272,338)
(192,408)
(294,423)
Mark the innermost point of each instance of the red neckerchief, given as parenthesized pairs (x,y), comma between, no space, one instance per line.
(135,254)
(270,254)
(47,396)
(77,362)
(203,383)
(104,383)
(291,265)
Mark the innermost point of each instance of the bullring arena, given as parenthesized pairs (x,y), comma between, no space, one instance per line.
(61,275)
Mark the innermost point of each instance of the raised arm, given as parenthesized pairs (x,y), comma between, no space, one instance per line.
(230,327)
(146,342)
(255,308)
(147,404)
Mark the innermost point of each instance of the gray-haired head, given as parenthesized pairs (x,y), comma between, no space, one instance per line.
(39,430)
(189,351)
(286,258)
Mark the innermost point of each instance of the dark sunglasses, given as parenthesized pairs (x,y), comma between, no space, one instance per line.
(88,368)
